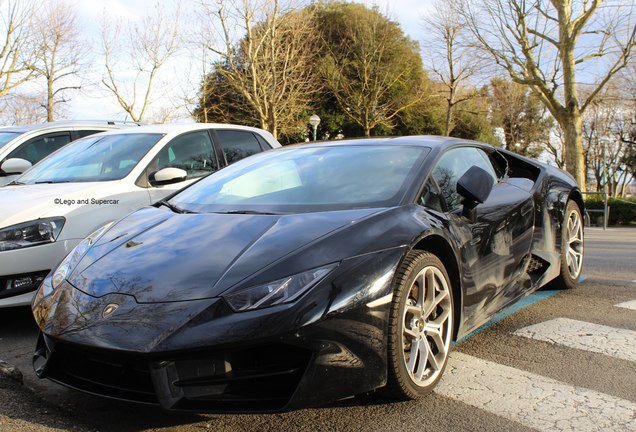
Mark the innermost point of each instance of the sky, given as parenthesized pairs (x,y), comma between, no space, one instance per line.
(94,103)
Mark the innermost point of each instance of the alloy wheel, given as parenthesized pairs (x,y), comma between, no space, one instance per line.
(427,326)
(574,245)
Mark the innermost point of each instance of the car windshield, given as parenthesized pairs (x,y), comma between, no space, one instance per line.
(5,137)
(308,179)
(93,159)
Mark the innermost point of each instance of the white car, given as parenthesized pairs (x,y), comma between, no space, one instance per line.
(24,146)
(96,180)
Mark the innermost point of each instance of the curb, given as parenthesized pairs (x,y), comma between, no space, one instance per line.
(9,371)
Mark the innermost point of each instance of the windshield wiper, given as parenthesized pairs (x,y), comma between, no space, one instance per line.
(249,212)
(15,183)
(52,181)
(173,207)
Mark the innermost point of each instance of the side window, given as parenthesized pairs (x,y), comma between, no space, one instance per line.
(192,152)
(85,133)
(452,166)
(36,149)
(238,144)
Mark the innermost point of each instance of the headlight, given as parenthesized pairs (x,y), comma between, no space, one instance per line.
(73,258)
(281,291)
(33,233)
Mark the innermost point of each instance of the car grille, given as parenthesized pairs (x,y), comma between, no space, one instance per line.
(102,372)
(240,380)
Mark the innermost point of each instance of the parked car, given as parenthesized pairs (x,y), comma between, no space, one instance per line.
(308,274)
(99,179)
(24,146)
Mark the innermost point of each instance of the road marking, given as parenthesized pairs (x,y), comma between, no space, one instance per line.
(627,305)
(533,400)
(615,342)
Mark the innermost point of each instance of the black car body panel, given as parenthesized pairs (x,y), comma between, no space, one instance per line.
(250,243)
(142,317)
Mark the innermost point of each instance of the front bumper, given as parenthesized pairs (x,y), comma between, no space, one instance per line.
(36,260)
(235,380)
(200,356)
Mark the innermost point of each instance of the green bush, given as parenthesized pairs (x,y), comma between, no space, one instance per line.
(622,211)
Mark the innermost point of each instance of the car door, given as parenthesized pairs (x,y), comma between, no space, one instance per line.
(494,246)
(192,152)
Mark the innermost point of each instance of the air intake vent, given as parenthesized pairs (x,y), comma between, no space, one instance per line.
(536,268)
(535,265)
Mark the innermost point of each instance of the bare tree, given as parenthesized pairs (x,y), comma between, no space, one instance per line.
(541,43)
(58,52)
(194,87)
(15,44)
(452,61)
(606,124)
(628,81)
(147,46)
(555,146)
(195,90)
(21,109)
(525,122)
(265,52)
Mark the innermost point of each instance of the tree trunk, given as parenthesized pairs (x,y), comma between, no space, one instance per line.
(49,99)
(572,125)
(572,121)
(263,121)
(272,122)
(449,118)
(450,103)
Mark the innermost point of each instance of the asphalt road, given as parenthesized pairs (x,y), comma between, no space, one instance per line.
(565,362)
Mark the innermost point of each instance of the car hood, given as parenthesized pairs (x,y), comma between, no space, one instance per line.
(158,256)
(22,203)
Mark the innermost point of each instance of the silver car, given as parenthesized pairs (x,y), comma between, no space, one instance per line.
(24,146)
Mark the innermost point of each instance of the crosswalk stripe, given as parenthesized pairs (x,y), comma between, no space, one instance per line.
(627,305)
(615,342)
(533,400)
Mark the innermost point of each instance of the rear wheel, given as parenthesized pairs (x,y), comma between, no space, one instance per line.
(420,326)
(571,247)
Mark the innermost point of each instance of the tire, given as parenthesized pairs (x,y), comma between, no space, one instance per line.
(571,248)
(419,328)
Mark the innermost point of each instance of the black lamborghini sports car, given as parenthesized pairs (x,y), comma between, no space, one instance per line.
(308,274)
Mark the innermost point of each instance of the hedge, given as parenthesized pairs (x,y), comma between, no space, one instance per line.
(622,211)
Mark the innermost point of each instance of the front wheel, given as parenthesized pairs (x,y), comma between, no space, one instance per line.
(571,247)
(420,326)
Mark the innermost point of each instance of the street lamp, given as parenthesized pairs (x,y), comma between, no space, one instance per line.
(314,121)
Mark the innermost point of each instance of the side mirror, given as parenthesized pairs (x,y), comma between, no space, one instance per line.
(475,185)
(167,176)
(15,166)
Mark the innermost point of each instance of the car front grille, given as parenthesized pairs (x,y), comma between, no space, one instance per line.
(120,376)
(262,378)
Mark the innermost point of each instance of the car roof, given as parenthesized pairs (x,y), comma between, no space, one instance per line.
(433,141)
(67,123)
(181,127)
(177,128)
